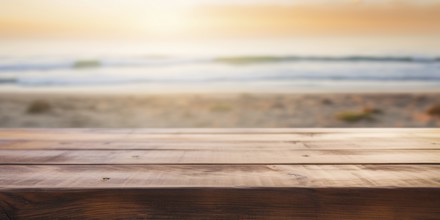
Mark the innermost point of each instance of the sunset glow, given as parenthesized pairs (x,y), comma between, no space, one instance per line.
(203,19)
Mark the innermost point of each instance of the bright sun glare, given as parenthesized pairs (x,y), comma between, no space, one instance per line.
(164,20)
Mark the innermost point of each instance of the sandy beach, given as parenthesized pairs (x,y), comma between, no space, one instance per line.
(218,110)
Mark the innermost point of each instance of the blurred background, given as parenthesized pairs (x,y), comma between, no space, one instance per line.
(219,63)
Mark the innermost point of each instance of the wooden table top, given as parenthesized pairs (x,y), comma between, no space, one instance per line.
(372,172)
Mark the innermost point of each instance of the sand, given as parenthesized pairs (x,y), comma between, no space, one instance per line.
(217,110)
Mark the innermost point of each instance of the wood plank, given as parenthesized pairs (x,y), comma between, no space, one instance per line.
(219,173)
(220,156)
(209,176)
(218,130)
(218,203)
(214,145)
(133,135)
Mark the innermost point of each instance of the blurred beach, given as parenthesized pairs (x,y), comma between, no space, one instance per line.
(127,89)
(219,110)
(265,63)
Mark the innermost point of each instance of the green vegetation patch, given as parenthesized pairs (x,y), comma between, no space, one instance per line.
(356,116)
(80,64)
(241,60)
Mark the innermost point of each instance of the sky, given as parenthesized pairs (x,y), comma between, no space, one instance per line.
(216,18)
(221,26)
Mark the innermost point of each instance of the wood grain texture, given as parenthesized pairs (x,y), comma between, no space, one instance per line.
(220,156)
(202,203)
(418,131)
(244,176)
(259,135)
(383,144)
(219,174)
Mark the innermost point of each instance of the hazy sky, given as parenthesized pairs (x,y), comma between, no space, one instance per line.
(216,18)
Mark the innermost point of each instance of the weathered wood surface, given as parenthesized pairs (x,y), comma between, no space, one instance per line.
(209,176)
(219,174)
(223,203)
(219,135)
(220,156)
(385,144)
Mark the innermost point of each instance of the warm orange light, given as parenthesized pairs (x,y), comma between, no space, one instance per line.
(195,18)
(162,20)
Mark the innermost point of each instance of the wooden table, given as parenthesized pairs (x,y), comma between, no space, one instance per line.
(220,174)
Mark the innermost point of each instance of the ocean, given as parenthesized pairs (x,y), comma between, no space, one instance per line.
(242,73)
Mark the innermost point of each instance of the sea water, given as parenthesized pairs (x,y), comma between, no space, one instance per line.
(144,71)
